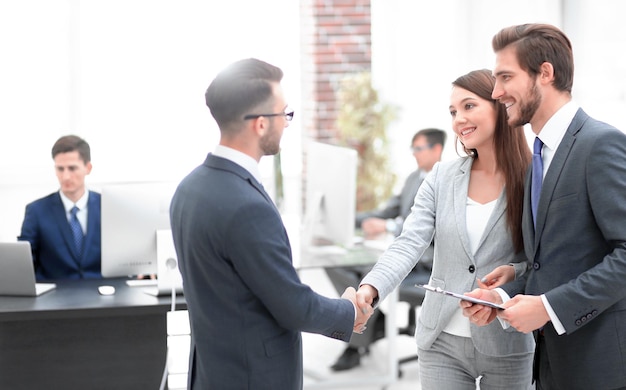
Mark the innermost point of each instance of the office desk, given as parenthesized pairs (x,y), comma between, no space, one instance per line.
(327,257)
(74,338)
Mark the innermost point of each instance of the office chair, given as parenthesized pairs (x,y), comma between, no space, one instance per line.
(407,292)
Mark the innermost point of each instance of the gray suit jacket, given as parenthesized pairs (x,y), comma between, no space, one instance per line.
(439,212)
(246,303)
(578,255)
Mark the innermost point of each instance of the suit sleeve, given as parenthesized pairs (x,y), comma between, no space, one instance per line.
(259,242)
(30,230)
(602,285)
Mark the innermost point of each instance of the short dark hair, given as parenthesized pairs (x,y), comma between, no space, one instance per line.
(539,43)
(72,143)
(240,87)
(434,136)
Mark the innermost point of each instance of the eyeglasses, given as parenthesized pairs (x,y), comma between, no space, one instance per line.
(417,149)
(288,115)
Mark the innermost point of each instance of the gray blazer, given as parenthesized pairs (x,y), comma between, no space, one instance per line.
(439,213)
(578,255)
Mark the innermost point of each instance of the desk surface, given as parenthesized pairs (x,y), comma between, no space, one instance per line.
(78,298)
(335,256)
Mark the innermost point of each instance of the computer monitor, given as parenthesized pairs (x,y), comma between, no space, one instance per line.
(331,173)
(132,213)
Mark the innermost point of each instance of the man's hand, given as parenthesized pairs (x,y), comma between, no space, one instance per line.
(525,313)
(373,227)
(363,313)
(478,314)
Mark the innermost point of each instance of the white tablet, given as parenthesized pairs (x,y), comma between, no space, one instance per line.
(460,296)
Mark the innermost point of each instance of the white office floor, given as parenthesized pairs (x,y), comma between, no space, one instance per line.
(319,352)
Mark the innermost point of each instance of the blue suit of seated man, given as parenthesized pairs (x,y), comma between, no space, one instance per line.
(47,229)
(46,224)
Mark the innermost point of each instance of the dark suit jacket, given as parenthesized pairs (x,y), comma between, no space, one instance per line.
(47,229)
(578,255)
(246,303)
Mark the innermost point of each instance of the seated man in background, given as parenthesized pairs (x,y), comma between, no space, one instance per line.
(427,147)
(63,228)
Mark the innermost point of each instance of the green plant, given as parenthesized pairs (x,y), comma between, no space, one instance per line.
(362,124)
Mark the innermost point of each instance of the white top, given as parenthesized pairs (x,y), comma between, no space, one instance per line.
(476,217)
(82,208)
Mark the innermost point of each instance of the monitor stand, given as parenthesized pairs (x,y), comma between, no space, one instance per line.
(169,280)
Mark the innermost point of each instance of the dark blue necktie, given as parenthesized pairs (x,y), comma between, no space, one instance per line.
(77,230)
(537,177)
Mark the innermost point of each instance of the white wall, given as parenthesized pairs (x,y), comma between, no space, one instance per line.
(420,47)
(129,76)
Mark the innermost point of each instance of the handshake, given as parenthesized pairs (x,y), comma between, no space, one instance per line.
(362,301)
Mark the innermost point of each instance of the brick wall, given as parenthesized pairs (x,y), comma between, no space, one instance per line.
(336,40)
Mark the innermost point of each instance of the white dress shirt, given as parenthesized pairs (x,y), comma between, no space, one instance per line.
(239,158)
(82,208)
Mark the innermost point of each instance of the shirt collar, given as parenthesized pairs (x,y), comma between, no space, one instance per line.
(239,158)
(81,203)
(555,128)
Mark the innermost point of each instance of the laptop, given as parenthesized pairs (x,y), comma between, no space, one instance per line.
(168,274)
(17,277)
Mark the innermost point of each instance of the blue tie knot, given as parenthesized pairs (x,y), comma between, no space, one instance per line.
(537,146)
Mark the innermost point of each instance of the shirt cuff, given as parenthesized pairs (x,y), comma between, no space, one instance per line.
(558,326)
(505,297)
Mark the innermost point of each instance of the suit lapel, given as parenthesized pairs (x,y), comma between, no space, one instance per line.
(461,181)
(461,184)
(554,172)
(528,229)
(92,220)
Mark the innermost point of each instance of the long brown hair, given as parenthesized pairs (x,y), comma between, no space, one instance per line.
(512,152)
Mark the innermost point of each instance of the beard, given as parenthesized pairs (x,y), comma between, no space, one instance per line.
(270,142)
(528,108)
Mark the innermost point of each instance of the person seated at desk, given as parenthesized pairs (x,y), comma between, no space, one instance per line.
(427,147)
(63,228)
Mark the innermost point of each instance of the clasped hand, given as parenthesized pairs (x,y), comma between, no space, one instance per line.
(363,310)
(524,312)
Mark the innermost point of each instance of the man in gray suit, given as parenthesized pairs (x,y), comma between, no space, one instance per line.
(574,295)
(426,147)
(246,303)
